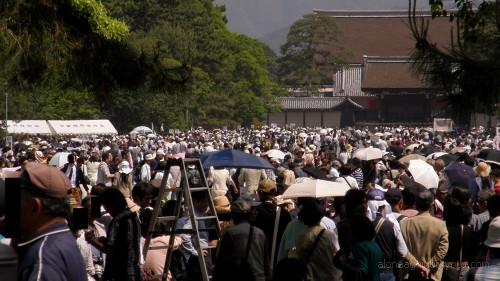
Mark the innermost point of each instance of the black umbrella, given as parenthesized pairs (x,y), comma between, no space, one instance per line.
(448,158)
(314,172)
(428,149)
(490,156)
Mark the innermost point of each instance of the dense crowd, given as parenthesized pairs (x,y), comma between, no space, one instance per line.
(392,224)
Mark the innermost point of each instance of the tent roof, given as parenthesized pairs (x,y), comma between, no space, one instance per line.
(82,127)
(29,127)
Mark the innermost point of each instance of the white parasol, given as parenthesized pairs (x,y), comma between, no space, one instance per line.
(368,153)
(275,153)
(423,173)
(316,189)
(59,159)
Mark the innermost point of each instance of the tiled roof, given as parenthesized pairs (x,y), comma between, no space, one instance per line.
(315,103)
(390,73)
(382,33)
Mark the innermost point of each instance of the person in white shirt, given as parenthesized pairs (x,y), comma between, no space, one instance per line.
(70,170)
(146,168)
(103,174)
(73,172)
(345,177)
(221,179)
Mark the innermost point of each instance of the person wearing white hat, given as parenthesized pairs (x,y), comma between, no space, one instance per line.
(491,271)
(146,168)
(123,179)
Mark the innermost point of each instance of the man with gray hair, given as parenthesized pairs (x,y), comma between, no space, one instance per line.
(47,249)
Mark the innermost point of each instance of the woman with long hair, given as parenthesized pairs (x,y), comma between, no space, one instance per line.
(123,179)
(91,167)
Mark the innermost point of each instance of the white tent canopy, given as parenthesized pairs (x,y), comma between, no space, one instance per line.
(28,127)
(82,127)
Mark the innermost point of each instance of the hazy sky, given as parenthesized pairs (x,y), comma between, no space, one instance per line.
(269,20)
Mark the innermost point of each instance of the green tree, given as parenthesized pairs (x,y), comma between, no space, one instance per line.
(307,60)
(135,62)
(221,66)
(468,70)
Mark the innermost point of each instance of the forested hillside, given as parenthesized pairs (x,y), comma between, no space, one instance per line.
(135,62)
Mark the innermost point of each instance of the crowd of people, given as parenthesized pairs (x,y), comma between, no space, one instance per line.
(388,226)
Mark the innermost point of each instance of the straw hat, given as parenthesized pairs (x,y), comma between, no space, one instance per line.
(222,205)
(482,169)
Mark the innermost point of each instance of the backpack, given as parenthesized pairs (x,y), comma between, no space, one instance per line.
(230,269)
(295,269)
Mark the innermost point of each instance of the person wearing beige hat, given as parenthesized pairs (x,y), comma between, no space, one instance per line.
(123,179)
(483,179)
(46,247)
(222,205)
(269,217)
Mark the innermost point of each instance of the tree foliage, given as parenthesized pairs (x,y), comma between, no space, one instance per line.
(135,62)
(468,71)
(306,57)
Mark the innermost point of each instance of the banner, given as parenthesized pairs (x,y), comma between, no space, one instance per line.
(443,125)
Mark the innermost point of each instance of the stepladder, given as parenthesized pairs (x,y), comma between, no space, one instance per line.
(193,218)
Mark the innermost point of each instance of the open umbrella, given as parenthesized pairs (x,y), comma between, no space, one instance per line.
(314,172)
(59,159)
(459,174)
(316,189)
(406,159)
(275,153)
(412,147)
(458,149)
(435,155)
(428,149)
(490,156)
(230,158)
(368,153)
(423,173)
(448,158)
(303,135)
(142,130)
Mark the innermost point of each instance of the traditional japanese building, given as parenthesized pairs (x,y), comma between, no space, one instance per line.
(376,78)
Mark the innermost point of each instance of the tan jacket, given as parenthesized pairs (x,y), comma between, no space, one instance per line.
(427,241)
(249,179)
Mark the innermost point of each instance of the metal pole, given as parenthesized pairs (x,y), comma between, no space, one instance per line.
(6,109)
(6,104)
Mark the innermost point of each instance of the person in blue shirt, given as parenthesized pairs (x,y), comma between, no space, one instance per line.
(46,247)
